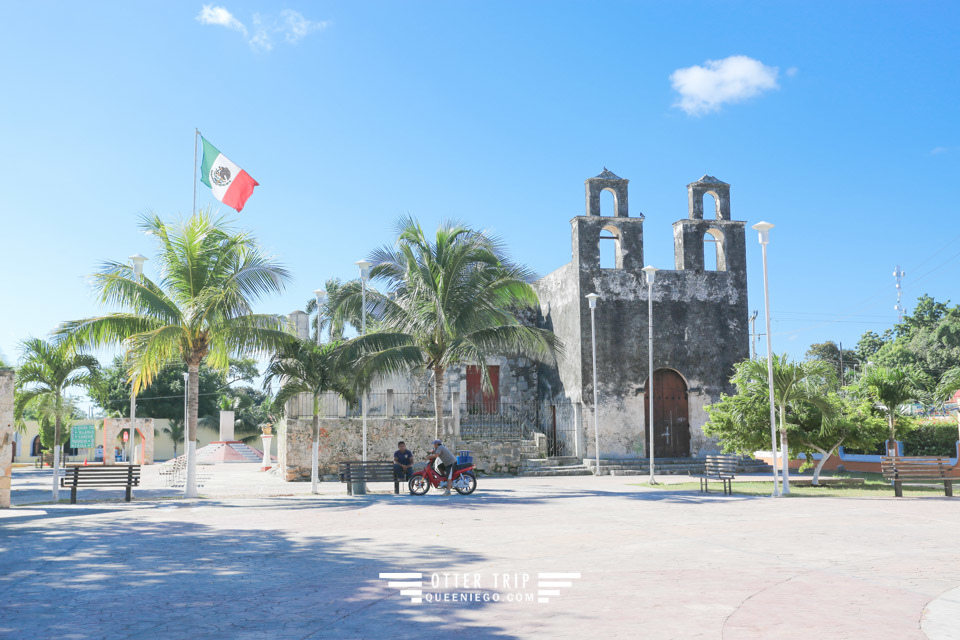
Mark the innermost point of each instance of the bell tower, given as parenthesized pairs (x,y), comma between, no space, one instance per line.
(591,229)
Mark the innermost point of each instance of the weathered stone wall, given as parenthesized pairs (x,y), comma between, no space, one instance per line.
(341,439)
(700,323)
(6,435)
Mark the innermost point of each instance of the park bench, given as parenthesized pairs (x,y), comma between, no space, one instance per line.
(369,471)
(916,470)
(125,475)
(720,467)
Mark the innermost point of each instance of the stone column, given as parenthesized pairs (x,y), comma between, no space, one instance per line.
(390,402)
(6,435)
(227,419)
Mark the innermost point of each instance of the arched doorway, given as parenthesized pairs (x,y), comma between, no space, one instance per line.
(670,415)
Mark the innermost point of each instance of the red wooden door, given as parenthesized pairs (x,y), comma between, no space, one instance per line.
(480,400)
(670,414)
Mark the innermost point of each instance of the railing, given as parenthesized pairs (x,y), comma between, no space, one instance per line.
(500,421)
(380,404)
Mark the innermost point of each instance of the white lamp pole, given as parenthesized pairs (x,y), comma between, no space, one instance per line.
(651,273)
(186,405)
(137,261)
(592,297)
(315,454)
(321,297)
(764,229)
(364,266)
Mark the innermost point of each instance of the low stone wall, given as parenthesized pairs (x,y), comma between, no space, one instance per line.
(341,439)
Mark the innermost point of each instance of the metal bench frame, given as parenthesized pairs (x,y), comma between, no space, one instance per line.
(915,470)
(722,467)
(126,475)
(368,471)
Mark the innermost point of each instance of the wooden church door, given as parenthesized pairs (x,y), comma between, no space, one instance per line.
(670,414)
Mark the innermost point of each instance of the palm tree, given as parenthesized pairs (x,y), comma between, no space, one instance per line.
(198,311)
(454,298)
(891,387)
(794,383)
(46,371)
(333,325)
(304,367)
(175,430)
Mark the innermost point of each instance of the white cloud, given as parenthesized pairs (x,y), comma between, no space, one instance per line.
(938,150)
(261,37)
(210,14)
(734,79)
(792,71)
(291,26)
(295,27)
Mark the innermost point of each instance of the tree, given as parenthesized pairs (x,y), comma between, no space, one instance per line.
(454,298)
(830,353)
(305,367)
(794,383)
(164,399)
(198,311)
(328,318)
(849,423)
(46,371)
(175,430)
(890,387)
(742,423)
(870,343)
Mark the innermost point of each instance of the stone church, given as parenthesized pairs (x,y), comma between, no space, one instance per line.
(700,321)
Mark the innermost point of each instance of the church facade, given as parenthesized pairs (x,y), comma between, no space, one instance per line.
(700,322)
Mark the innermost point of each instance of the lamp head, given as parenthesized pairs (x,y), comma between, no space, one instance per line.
(321,295)
(138,261)
(651,273)
(764,229)
(364,266)
(592,297)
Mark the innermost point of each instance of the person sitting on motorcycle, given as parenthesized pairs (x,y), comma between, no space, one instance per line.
(447,462)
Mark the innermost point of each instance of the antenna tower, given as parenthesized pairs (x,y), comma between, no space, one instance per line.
(899,274)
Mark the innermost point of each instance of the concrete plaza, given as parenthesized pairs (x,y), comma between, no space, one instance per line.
(653,563)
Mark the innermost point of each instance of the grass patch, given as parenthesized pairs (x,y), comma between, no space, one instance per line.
(874,486)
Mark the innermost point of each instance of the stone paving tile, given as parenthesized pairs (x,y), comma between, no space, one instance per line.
(653,563)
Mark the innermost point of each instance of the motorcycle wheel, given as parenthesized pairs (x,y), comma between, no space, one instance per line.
(465,484)
(418,485)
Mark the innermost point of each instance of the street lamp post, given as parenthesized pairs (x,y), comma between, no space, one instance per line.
(592,297)
(651,273)
(364,267)
(137,261)
(321,297)
(764,229)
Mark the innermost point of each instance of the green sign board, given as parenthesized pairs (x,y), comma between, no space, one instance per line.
(82,436)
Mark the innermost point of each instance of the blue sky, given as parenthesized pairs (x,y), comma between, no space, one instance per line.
(835,121)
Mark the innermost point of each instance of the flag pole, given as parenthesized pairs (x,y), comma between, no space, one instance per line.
(196,137)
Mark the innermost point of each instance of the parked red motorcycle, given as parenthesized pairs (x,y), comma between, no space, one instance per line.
(464,479)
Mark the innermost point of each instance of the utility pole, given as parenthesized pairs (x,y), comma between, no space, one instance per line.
(841,365)
(753,335)
(898,273)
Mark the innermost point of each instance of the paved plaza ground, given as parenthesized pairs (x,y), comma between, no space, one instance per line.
(258,558)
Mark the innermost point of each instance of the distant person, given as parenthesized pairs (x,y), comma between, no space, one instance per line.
(403,462)
(447,462)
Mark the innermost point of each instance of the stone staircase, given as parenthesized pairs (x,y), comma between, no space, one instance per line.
(553,466)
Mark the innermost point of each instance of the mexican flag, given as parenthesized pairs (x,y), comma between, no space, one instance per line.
(230,184)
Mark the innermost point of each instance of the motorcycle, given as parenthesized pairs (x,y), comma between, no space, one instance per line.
(464,480)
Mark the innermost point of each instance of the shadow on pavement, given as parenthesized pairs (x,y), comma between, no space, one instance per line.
(87,579)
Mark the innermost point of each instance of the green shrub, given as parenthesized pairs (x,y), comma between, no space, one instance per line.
(931,439)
